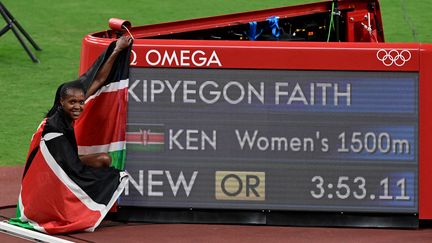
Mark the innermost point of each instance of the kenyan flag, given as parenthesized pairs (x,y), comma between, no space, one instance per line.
(60,194)
(102,126)
(145,138)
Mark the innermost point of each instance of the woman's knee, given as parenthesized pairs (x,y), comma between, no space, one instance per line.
(104,160)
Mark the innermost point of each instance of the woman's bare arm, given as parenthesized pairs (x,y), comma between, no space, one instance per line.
(96,160)
(101,76)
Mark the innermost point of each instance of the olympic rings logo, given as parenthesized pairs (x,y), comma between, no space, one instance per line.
(398,58)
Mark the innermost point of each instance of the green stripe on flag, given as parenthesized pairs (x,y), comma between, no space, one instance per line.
(145,148)
(118,159)
(17,222)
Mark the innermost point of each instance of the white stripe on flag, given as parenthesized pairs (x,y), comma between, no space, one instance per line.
(124,178)
(112,87)
(64,178)
(105,148)
(52,135)
(148,143)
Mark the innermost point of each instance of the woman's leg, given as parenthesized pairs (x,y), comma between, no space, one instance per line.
(96,160)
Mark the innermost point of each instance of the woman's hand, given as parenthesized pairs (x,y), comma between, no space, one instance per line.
(122,43)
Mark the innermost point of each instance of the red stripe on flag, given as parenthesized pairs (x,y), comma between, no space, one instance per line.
(103,120)
(145,137)
(36,138)
(48,202)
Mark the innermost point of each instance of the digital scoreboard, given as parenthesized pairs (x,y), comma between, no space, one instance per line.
(273,139)
(266,117)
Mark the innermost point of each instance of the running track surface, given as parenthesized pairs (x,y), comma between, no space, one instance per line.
(110,231)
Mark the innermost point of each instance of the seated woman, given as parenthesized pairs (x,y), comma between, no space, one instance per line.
(62,191)
(72,98)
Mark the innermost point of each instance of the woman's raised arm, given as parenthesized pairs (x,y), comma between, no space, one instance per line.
(101,76)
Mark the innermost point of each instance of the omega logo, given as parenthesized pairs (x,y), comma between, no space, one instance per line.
(184,58)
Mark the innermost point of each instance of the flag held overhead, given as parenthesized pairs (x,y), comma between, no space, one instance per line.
(59,193)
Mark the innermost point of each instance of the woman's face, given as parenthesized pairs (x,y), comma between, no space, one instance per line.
(73,103)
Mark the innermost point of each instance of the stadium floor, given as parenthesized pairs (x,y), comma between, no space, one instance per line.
(111,231)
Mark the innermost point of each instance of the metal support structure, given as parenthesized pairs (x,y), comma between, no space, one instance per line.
(337,15)
(18,30)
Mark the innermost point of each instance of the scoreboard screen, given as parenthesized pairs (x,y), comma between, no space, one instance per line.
(273,140)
